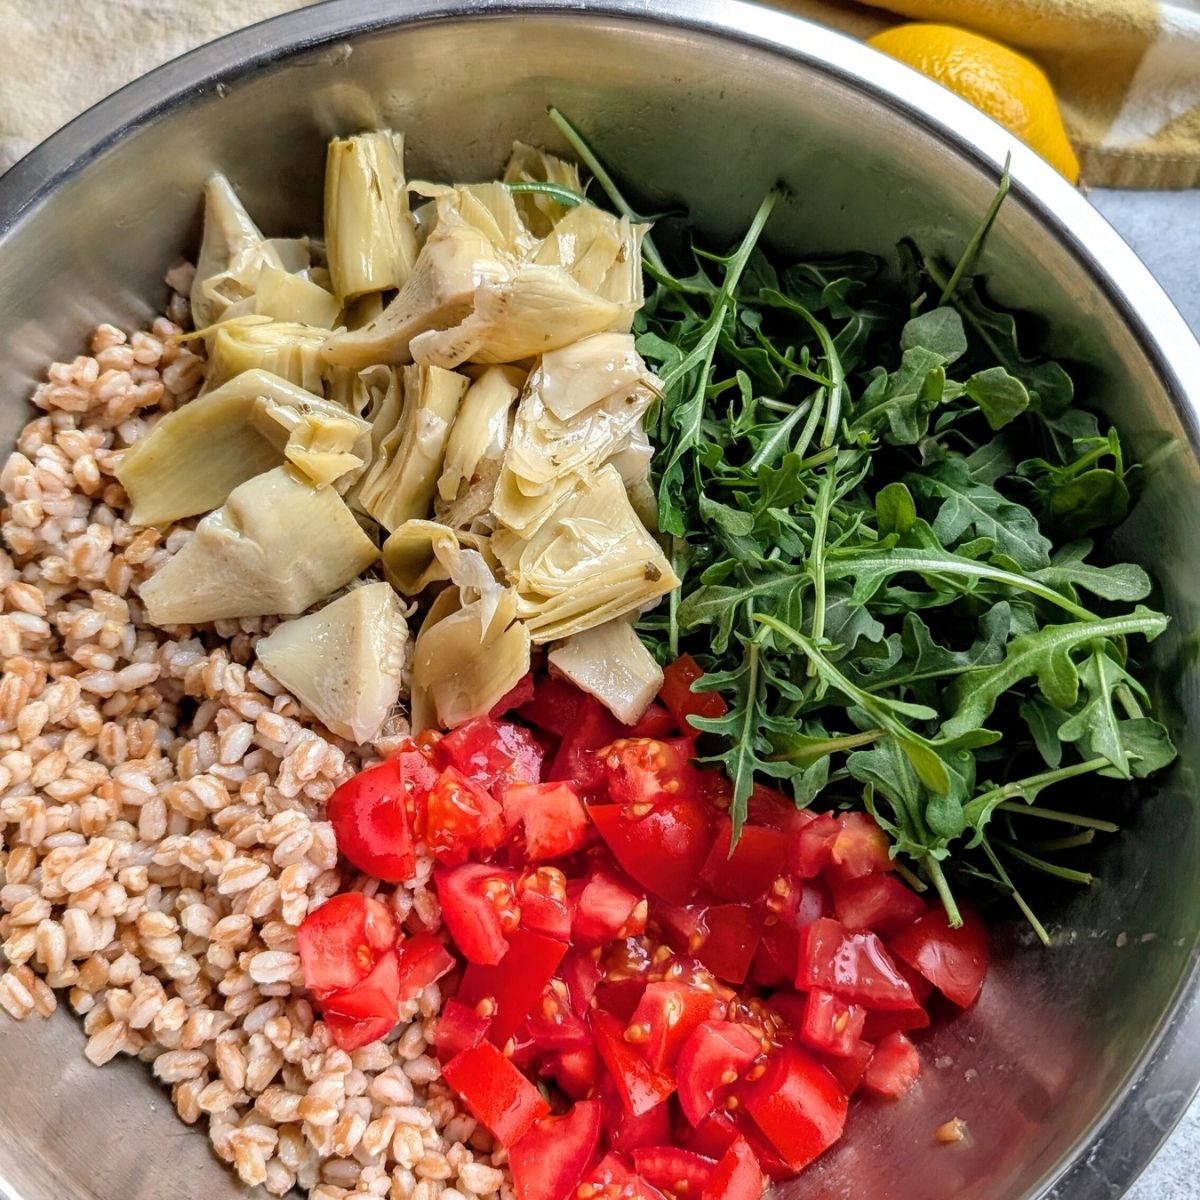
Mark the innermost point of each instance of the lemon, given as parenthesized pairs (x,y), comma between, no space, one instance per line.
(1001,82)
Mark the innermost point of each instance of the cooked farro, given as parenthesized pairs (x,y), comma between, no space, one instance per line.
(161,832)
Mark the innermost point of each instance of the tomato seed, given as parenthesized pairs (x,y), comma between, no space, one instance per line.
(486,1007)
(953,1131)
(756,1072)
(728,1077)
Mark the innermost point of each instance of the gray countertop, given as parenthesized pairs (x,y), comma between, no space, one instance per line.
(1162,227)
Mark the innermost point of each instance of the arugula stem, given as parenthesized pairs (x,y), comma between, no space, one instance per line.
(1127,700)
(1053,814)
(567,197)
(1040,864)
(1073,842)
(816,556)
(1019,900)
(768,450)
(934,870)
(977,810)
(847,741)
(913,880)
(971,252)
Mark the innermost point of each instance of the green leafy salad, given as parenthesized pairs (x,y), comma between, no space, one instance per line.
(884,513)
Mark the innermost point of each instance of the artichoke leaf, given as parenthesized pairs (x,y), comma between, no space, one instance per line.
(589,372)
(488,207)
(420,553)
(371,237)
(321,441)
(285,348)
(293,299)
(345,662)
(528,164)
(481,428)
(276,546)
(591,560)
(610,662)
(633,459)
(232,253)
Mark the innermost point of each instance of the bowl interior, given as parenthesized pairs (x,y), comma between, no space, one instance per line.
(710,119)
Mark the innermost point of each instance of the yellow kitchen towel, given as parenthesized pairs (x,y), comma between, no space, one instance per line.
(1127,72)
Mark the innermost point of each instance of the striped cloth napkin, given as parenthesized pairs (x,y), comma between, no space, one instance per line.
(1127,72)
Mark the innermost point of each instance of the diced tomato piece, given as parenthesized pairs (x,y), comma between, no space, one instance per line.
(640,1085)
(515,984)
(643,771)
(737,1176)
(682,1172)
(461,817)
(758,860)
(711,1060)
(581,973)
(423,960)
(495,1092)
(880,1024)
(878,902)
(662,850)
(493,754)
(715,1133)
(341,942)
(849,1069)
(621,997)
(860,848)
(591,728)
(830,1024)
(678,696)
(666,1015)
(551,816)
(798,1105)
(479,906)
(894,1067)
(955,961)
(624,1131)
(655,722)
(554,706)
(553,1024)
(772,808)
(575,1071)
(812,846)
(605,909)
(854,966)
(547,1162)
(792,907)
(520,693)
(545,907)
(731,937)
(367,1011)
(611,1179)
(371,814)
(459,1028)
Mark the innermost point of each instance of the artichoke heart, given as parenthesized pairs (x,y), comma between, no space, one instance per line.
(320,440)
(528,164)
(610,662)
(423,552)
(232,253)
(195,456)
(488,207)
(290,298)
(370,236)
(401,480)
(345,661)
(591,560)
(284,348)
(481,429)
(274,547)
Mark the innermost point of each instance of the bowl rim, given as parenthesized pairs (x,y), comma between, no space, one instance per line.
(1122,1138)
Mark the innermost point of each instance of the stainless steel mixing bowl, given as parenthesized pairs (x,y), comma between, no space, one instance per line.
(1078,1059)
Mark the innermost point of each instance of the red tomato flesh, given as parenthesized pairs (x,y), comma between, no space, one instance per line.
(955,961)
(548,1161)
(655,722)
(605,909)
(366,1012)
(671,1169)
(371,815)
(341,942)
(894,1067)
(591,727)
(550,815)
(678,696)
(665,1017)
(811,848)
(459,1028)
(461,817)
(641,1086)
(877,902)
(493,754)
(758,860)
(624,1131)
(712,1059)
(479,906)
(737,1176)
(860,847)
(854,966)
(662,850)
(611,1179)
(649,770)
(495,1092)
(423,960)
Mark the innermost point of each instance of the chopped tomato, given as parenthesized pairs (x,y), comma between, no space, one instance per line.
(621,997)
(551,816)
(521,692)
(581,973)
(575,1071)
(854,966)
(731,936)
(553,1024)
(879,1024)
(643,771)
(624,1131)
(710,1062)
(341,942)
(737,1176)
(554,706)
(371,814)
(493,754)
(547,1162)
(894,1067)
(681,1172)
(830,1024)
(514,985)
(678,696)
(955,961)
(367,1011)
(605,909)
(545,906)
(423,960)
(655,722)
(848,1069)
(860,848)
(479,906)
(715,1133)
(461,817)
(662,849)
(768,807)
(495,1092)
(666,1014)
(757,861)
(611,1179)
(459,1028)
(591,728)
(812,846)
(798,1105)
(877,902)
(791,907)
(641,1087)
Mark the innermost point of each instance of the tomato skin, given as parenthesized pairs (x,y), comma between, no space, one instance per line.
(790,910)
(853,966)
(493,754)
(554,706)
(713,1049)
(341,942)
(830,1025)
(811,849)
(877,902)
(624,1131)
(515,984)
(798,1105)
(643,771)
(663,850)
(860,848)
(737,1176)
(666,1166)
(368,1011)
(575,1071)
(678,696)
(423,960)
(893,1069)
(849,1069)
(955,961)
(605,909)
(371,815)
(715,1133)
(667,1013)
(655,722)
(495,1092)
(591,728)
(729,945)
(758,860)
(521,692)
(548,1161)
(553,1024)
(460,817)
(479,906)
(581,973)
(641,1087)
(459,1028)
(551,816)
(545,907)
